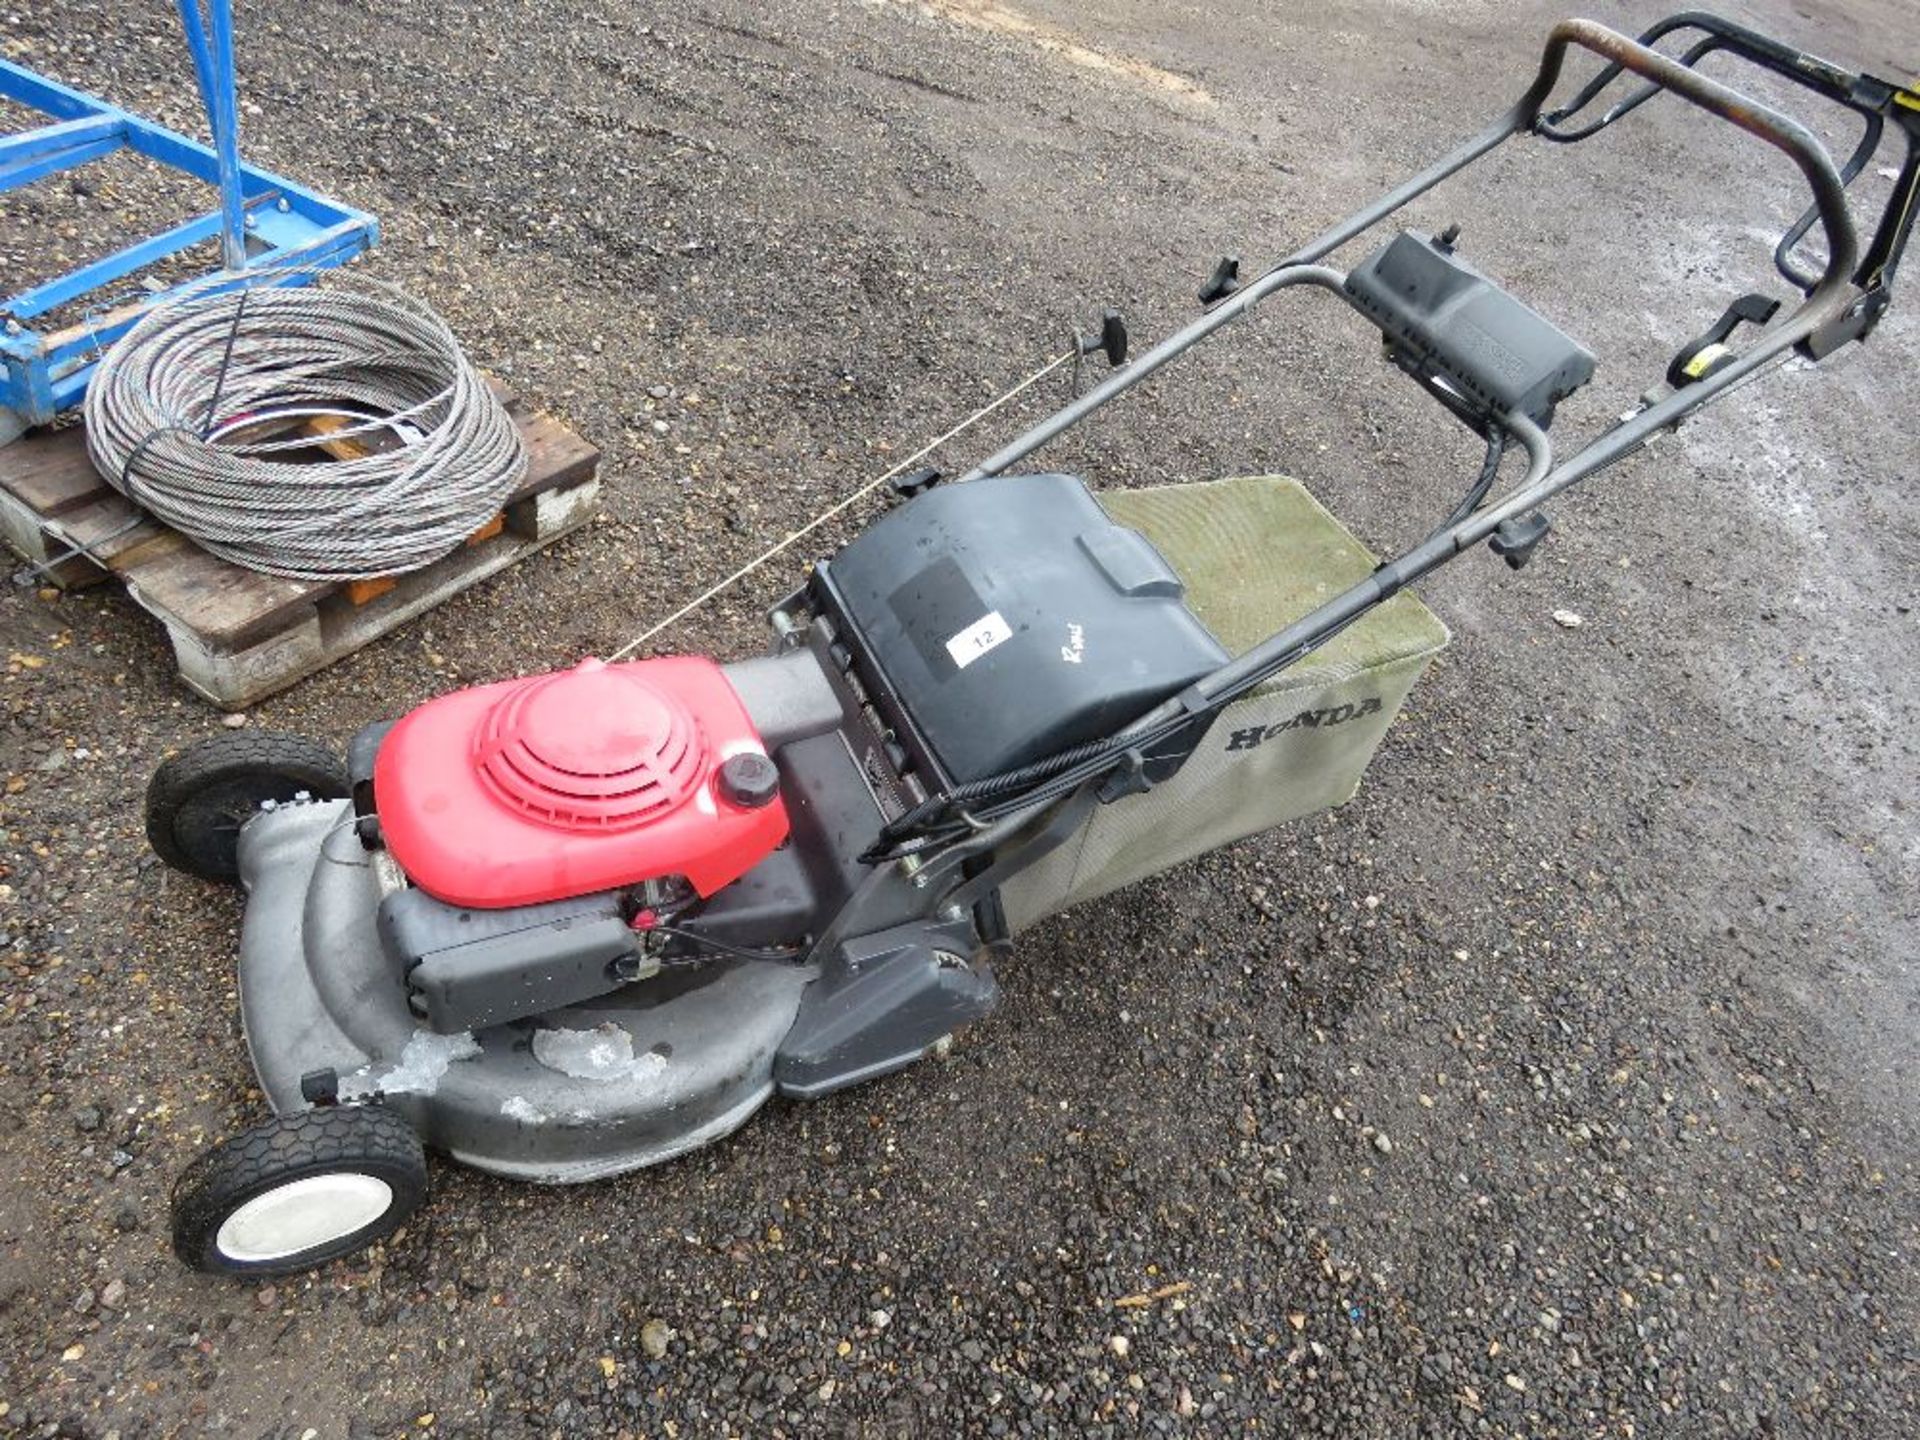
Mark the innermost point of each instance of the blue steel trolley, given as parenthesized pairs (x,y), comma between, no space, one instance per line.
(269,227)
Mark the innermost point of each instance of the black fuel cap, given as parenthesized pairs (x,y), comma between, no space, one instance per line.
(749,781)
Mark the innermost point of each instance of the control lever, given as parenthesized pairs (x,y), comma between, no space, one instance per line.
(1708,353)
(1224,280)
(1514,540)
(1110,340)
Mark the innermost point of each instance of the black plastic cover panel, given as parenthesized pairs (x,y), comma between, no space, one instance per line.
(1011,618)
(1445,317)
(467,969)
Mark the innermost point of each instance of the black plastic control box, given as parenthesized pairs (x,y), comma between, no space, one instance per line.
(1003,620)
(1441,316)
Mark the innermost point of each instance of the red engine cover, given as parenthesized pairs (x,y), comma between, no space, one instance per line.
(586,779)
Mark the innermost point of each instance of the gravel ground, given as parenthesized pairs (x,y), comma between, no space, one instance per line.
(1562,1084)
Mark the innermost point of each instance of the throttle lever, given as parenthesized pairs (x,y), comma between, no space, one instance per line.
(1708,352)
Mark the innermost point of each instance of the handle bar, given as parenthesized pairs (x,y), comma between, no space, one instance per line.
(1523,117)
(1780,131)
(1857,92)
(1879,103)
(1831,302)
(1864,96)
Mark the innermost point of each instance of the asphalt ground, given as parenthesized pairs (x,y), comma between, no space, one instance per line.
(1562,1083)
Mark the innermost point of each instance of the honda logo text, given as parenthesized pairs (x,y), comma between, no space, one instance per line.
(1311,719)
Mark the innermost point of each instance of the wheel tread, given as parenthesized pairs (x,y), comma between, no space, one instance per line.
(305,763)
(368,1138)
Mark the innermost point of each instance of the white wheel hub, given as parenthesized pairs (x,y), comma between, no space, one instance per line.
(302,1215)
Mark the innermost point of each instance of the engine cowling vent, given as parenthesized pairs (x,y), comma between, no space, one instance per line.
(586,780)
(639,755)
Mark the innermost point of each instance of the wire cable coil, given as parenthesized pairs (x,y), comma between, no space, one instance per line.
(319,434)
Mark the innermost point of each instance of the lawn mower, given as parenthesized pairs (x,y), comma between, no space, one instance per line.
(565,926)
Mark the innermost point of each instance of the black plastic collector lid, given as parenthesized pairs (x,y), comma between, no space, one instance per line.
(1011,618)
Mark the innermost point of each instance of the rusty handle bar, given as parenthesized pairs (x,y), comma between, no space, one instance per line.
(1834,293)
(1780,131)
(1527,114)
(1543,479)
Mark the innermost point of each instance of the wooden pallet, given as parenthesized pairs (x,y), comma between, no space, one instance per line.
(238,635)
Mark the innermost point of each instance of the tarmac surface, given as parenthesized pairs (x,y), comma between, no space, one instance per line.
(1562,1084)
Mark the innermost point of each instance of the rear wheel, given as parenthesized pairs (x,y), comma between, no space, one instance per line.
(298,1191)
(198,800)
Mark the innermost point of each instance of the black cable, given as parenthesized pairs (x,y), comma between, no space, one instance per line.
(140,448)
(1489,469)
(778,956)
(226,363)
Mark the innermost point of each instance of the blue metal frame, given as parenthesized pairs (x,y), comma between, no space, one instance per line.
(268,226)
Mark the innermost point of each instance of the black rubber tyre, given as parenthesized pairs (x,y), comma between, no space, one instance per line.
(198,800)
(298,1191)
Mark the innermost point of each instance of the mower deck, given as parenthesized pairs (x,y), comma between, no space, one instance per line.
(591,1090)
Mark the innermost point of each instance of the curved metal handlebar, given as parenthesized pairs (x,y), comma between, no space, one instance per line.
(1812,326)
(1780,131)
(1720,36)
(1783,133)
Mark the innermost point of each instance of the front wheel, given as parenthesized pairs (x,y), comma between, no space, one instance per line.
(198,800)
(298,1191)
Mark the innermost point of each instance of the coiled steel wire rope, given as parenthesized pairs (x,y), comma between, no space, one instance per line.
(190,415)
